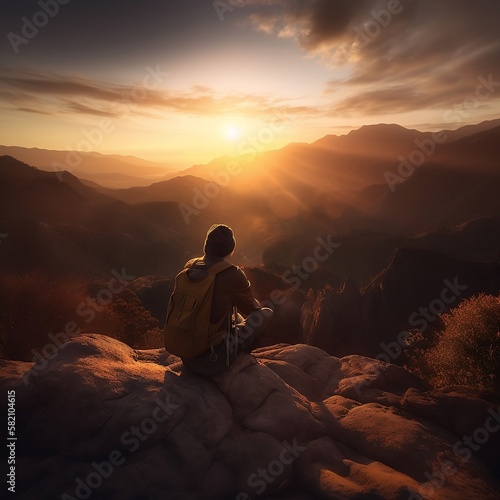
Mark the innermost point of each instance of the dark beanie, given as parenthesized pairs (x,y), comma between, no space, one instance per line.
(219,241)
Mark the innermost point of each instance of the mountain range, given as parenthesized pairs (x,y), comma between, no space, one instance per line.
(114,171)
(355,241)
(280,204)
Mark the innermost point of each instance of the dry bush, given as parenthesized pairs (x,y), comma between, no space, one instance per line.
(152,339)
(132,321)
(31,307)
(467,351)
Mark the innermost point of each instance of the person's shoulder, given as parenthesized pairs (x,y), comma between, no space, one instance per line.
(233,268)
(236,274)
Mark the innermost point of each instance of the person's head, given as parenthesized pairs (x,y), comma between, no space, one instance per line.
(220,241)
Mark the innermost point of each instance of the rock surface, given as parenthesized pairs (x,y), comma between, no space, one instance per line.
(103,420)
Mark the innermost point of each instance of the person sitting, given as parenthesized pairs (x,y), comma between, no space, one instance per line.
(236,317)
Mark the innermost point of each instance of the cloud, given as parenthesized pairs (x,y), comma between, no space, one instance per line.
(84,109)
(420,53)
(315,24)
(34,110)
(445,92)
(397,99)
(49,94)
(45,93)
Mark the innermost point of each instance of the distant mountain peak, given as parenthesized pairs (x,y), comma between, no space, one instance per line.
(383,130)
(379,127)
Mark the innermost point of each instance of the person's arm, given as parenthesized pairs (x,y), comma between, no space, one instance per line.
(242,295)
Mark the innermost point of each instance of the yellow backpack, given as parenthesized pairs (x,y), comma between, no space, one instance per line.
(188,331)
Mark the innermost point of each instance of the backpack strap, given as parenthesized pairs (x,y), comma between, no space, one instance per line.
(215,269)
(219,267)
(191,263)
(231,336)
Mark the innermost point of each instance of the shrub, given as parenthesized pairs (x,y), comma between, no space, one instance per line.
(31,307)
(467,351)
(133,321)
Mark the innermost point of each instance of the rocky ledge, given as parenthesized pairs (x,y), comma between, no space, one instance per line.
(104,421)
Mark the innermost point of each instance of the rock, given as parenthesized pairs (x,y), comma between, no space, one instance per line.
(290,422)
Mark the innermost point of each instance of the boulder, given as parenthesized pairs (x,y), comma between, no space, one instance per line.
(290,422)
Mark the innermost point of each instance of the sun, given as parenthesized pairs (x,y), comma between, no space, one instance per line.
(232,133)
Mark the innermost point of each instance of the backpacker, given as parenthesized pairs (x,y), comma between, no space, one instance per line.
(188,331)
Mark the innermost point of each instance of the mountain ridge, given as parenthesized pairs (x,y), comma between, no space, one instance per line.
(94,165)
(127,165)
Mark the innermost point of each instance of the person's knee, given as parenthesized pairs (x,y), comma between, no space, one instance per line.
(263,319)
(267,312)
(258,319)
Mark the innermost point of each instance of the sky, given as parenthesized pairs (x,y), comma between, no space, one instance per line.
(184,81)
